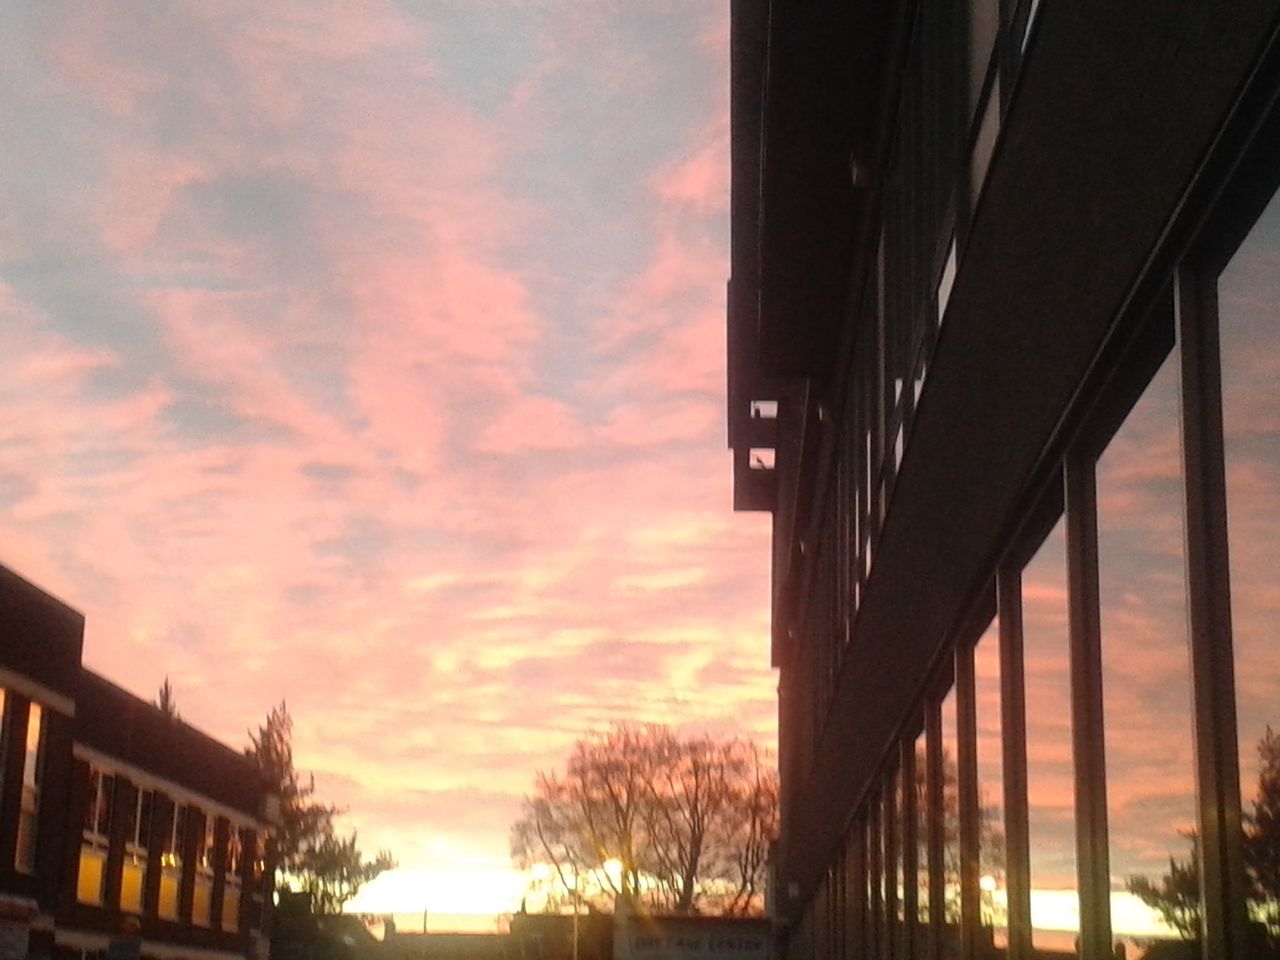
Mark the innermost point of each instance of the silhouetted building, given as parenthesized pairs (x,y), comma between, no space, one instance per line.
(449,946)
(1002,354)
(123,831)
(550,936)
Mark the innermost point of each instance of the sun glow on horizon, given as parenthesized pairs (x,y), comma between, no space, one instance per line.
(487,891)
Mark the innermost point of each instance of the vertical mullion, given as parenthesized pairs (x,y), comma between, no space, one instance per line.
(910,850)
(1222,876)
(967,794)
(876,871)
(858,886)
(1088,746)
(1013,732)
(936,828)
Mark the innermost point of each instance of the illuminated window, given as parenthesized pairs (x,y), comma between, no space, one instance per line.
(137,839)
(231,880)
(95,838)
(171,864)
(32,776)
(203,898)
(259,857)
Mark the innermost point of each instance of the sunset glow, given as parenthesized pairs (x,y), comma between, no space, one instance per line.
(370,356)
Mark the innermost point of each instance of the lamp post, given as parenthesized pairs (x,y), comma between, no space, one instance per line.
(575,912)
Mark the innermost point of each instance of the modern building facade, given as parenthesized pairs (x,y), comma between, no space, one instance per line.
(1004,364)
(121,828)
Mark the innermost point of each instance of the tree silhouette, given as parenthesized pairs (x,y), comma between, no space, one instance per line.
(991,846)
(166,701)
(1262,838)
(332,871)
(661,822)
(309,853)
(1175,896)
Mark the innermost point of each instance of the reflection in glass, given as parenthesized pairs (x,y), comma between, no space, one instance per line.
(1055,904)
(875,871)
(894,848)
(951,826)
(1249,311)
(1146,668)
(32,775)
(986,669)
(922,832)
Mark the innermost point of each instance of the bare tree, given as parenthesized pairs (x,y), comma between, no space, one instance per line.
(658,821)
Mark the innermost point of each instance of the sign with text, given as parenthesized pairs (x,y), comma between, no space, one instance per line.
(691,938)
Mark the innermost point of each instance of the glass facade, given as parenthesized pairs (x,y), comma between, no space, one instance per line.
(1098,772)
(1248,325)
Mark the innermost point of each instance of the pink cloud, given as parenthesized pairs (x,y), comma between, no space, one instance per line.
(289,224)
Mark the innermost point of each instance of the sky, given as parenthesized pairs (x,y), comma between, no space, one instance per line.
(369,356)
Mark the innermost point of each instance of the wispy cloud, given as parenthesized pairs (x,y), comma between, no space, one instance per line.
(348,364)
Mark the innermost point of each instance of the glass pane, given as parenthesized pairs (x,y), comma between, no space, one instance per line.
(1249,305)
(89,880)
(132,884)
(1055,906)
(169,882)
(201,902)
(93,802)
(875,875)
(31,765)
(995,903)
(231,908)
(899,834)
(951,827)
(922,832)
(1151,799)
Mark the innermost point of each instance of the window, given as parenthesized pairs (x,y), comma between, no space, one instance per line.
(259,857)
(95,837)
(231,881)
(994,907)
(32,776)
(950,919)
(137,840)
(202,901)
(1249,308)
(1055,904)
(171,863)
(920,767)
(1150,767)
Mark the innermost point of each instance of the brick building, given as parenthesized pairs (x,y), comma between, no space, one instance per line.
(121,828)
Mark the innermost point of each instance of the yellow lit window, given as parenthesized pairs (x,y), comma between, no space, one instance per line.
(95,838)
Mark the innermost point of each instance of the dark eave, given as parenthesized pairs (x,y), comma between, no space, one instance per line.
(823,74)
